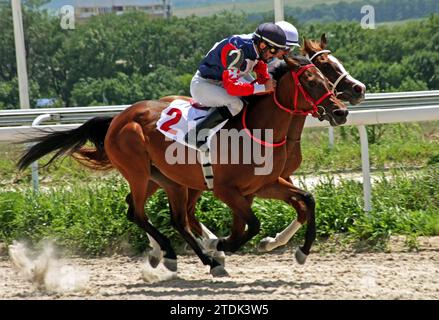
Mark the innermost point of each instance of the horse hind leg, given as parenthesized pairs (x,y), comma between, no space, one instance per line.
(155,255)
(178,203)
(152,187)
(124,151)
(200,229)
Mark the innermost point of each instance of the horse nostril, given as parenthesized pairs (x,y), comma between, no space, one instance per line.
(341,113)
(358,88)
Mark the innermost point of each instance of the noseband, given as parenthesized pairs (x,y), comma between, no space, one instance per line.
(341,77)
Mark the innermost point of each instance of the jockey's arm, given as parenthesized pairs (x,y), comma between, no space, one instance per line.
(231,76)
(234,87)
(261,71)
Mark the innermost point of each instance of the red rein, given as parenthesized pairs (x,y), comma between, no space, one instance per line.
(295,111)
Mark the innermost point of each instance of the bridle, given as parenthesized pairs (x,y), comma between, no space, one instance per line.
(341,77)
(312,102)
(295,108)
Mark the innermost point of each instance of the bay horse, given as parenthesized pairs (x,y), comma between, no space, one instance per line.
(344,86)
(131,143)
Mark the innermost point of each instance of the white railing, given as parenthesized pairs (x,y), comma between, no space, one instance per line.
(383,112)
(20,117)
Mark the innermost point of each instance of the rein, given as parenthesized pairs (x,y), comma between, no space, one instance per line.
(295,110)
(341,77)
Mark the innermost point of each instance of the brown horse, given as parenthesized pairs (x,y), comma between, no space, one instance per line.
(342,84)
(346,88)
(134,146)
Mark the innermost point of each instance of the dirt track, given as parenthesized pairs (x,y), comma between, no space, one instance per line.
(396,275)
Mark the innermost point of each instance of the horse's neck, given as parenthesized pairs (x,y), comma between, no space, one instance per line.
(296,127)
(266,115)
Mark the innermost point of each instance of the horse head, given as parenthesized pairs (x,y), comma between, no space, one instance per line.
(311,91)
(343,84)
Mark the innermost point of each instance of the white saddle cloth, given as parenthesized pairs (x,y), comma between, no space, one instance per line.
(179,117)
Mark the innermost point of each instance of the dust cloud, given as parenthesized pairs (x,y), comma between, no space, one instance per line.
(45,271)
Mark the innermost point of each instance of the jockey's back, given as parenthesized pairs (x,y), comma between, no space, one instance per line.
(212,66)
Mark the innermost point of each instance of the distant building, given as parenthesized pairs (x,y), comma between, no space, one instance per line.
(87,8)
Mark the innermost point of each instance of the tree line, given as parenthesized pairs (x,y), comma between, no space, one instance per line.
(121,59)
(385,10)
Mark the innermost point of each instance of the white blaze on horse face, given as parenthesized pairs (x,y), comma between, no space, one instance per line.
(343,71)
(341,68)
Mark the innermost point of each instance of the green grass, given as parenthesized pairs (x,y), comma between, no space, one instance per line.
(91,219)
(391,146)
(86,213)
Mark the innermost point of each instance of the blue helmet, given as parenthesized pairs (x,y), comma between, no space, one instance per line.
(272,34)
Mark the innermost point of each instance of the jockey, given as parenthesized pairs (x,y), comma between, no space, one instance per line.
(223,75)
(292,36)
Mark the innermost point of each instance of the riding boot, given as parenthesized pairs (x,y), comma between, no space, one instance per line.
(218,115)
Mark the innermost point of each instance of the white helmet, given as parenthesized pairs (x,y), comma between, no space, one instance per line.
(290,32)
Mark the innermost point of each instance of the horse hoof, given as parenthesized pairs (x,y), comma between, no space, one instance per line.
(300,256)
(220,257)
(219,271)
(170,264)
(266,244)
(153,261)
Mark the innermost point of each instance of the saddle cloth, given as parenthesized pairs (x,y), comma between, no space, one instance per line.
(181,116)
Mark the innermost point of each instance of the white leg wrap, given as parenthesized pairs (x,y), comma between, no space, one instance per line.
(207,233)
(156,251)
(285,236)
(220,256)
(210,244)
(282,238)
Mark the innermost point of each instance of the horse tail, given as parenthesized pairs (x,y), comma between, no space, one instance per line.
(71,142)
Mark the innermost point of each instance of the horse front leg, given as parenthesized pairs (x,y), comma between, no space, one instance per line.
(304,204)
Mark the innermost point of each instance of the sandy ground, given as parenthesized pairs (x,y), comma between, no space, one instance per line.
(347,275)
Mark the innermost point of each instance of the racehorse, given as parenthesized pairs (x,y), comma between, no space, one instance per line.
(131,143)
(344,86)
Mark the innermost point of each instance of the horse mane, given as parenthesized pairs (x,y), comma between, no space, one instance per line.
(283,68)
(278,73)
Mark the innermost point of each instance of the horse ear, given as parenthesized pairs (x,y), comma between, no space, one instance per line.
(292,63)
(323,41)
(307,45)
